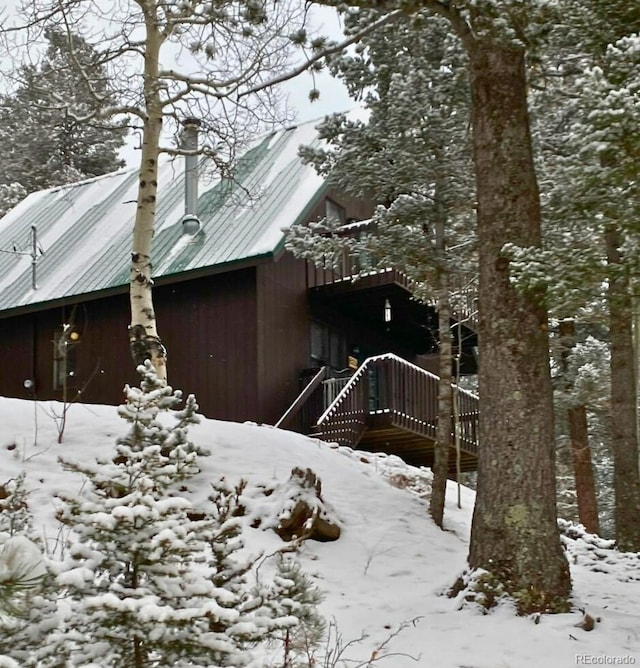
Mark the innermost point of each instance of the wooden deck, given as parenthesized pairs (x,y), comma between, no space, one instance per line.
(390,405)
(384,434)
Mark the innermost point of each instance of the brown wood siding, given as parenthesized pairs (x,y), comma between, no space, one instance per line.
(16,355)
(283,334)
(103,365)
(284,323)
(209,328)
(26,351)
(356,209)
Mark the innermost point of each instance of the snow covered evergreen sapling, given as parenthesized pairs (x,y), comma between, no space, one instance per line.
(26,593)
(15,517)
(293,593)
(143,589)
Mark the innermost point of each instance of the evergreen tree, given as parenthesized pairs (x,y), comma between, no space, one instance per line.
(514,531)
(140,588)
(15,515)
(583,387)
(293,594)
(613,147)
(46,143)
(27,596)
(586,101)
(412,154)
(412,157)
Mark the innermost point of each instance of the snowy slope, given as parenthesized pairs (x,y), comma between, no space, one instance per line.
(391,564)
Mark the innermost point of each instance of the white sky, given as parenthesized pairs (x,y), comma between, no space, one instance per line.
(391,564)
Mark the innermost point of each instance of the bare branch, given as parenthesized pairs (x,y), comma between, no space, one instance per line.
(448,10)
(335,48)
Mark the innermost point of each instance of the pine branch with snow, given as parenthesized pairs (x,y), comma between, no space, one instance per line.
(293,594)
(27,598)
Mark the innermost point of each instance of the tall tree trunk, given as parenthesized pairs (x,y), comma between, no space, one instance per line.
(626,475)
(514,532)
(143,334)
(445,395)
(445,404)
(579,440)
(583,469)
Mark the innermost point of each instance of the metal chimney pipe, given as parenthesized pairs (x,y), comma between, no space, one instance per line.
(190,220)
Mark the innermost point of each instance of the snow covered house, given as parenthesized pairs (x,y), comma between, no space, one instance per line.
(248,327)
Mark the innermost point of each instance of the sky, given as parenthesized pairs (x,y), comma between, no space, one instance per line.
(388,573)
(333,94)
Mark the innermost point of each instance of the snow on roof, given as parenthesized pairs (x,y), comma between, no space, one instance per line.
(85,229)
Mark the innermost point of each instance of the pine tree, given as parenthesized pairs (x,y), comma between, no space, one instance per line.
(586,103)
(612,128)
(514,531)
(412,157)
(292,594)
(43,145)
(140,588)
(15,515)
(27,596)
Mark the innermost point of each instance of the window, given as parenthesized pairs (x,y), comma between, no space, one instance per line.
(334,211)
(328,346)
(64,359)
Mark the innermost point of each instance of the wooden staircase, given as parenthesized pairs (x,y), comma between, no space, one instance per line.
(390,405)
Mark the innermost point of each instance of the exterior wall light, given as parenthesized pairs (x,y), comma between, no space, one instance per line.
(387,310)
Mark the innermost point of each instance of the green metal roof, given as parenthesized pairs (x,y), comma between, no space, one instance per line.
(85,229)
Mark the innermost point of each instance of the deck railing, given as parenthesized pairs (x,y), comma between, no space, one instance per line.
(389,384)
(463,287)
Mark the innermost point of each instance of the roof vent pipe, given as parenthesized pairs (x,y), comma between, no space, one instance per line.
(190,220)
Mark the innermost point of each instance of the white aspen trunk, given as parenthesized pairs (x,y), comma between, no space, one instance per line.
(143,333)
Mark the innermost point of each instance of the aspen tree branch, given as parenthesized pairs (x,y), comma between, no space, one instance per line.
(336,48)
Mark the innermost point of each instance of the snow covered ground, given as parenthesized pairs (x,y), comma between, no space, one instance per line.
(391,565)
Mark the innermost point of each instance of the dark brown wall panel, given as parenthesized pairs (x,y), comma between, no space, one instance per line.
(103,365)
(101,354)
(283,334)
(26,351)
(16,355)
(208,326)
(211,334)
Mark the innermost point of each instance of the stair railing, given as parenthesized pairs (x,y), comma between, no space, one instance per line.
(389,384)
(302,398)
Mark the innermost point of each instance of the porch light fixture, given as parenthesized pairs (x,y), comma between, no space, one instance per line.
(387,310)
